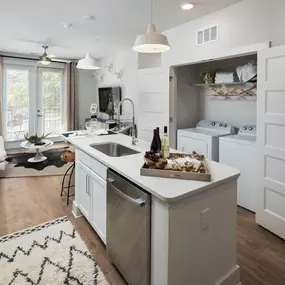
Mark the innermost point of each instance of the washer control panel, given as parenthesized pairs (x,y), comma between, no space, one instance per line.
(216,126)
(247,130)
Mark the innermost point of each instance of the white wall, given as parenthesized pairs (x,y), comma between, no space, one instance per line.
(127,62)
(245,23)
(87,89)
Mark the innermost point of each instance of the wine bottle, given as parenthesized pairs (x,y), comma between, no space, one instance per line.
(165,144)
(154,147)
(158,139)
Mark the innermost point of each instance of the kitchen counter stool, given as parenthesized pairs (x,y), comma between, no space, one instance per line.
(68,156)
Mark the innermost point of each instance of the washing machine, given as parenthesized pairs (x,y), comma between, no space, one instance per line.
(204,139)
(240,151)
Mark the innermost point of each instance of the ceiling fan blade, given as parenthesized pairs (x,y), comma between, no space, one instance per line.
(51,56)
(61,60)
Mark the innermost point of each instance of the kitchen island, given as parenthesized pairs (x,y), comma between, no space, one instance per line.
(193,223)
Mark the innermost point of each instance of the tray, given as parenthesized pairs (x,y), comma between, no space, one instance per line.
(147,171)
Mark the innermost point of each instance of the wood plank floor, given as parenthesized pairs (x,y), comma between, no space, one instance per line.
(26,202)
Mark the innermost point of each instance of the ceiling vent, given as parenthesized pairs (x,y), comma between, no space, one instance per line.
(207,35)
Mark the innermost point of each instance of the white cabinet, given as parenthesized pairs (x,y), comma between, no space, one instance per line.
(98,204)
(91,191)
(82,195)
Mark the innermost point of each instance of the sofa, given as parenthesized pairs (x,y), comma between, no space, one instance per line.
(3,154)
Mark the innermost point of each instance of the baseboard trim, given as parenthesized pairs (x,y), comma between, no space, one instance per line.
(231,278)
(75,210)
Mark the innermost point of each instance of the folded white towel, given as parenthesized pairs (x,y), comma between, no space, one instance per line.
(224,74)
(224,77)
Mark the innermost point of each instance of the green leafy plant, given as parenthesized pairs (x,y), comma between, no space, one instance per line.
(110,112)
(35,138)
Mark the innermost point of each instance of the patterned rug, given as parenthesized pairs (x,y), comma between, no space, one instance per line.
(18,165)
(49,254)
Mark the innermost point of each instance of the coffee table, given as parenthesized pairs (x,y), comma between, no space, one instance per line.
(39,157)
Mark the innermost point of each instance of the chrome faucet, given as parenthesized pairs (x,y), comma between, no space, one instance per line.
(134,138)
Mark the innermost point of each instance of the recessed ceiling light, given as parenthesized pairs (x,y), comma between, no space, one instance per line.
(186,6)
(89,17)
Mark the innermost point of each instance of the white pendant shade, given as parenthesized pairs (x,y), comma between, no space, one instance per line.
(151,42)
(88,63)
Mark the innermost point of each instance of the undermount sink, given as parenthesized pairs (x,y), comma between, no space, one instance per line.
(114,149)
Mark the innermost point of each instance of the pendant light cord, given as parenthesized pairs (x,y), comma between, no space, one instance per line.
(151,11)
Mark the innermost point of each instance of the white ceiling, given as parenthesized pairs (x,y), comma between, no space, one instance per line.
(26,25)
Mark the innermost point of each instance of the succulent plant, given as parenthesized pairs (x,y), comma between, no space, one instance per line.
(35,138)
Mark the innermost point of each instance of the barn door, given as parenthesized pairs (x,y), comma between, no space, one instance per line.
(271,140)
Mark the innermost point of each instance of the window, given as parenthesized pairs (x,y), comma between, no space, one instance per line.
(16,103)
(33,99)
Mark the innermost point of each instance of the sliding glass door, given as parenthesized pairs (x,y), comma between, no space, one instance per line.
(33,101)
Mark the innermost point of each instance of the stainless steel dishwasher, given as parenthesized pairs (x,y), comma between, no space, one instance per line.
(128,229)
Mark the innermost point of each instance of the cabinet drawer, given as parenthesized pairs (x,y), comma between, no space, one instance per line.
(98,168)
(82,157)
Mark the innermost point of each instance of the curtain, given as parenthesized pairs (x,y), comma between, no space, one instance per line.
(1,94)
(70,89)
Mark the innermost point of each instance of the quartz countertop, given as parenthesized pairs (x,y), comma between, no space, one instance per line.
(166,189)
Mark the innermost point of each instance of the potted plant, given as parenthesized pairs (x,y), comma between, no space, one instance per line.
(35,139)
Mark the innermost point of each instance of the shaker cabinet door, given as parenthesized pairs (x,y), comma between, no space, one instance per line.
(98,189)
(82,181)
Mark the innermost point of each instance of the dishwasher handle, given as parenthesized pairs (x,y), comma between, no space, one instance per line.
(139,201)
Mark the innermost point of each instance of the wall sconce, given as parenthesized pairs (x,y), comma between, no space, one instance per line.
(111,69)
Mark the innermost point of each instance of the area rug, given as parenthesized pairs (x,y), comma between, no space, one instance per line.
(18,165)
(49,254)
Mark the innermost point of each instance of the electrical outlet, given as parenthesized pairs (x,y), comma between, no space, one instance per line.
(205,219)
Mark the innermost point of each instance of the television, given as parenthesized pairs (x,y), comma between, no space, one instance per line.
(104,97)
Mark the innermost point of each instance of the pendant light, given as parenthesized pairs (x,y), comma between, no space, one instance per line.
(88,63)
(151,42)
(44,59)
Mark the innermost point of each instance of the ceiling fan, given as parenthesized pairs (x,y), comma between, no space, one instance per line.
(45,44)
(45,59)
